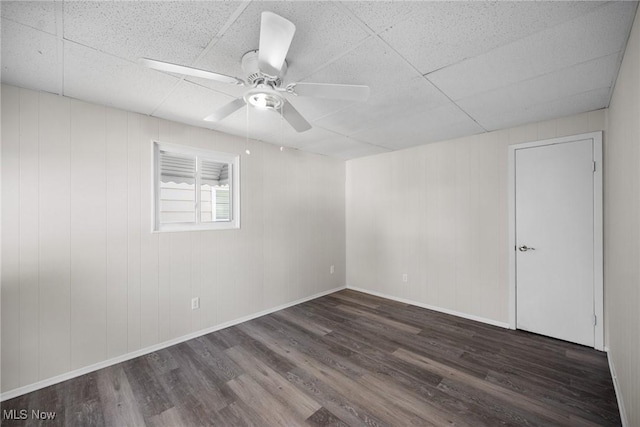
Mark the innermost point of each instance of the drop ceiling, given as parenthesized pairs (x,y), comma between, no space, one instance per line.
(437,70)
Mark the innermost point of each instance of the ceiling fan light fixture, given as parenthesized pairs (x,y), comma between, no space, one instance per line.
(264,99)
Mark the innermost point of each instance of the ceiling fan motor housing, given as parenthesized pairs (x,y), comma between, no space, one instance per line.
(253,74)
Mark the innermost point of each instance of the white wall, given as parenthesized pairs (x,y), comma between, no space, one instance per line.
(438,212)
(83,278)
(622,228)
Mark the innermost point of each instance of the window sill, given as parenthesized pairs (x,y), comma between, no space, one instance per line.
(173,228)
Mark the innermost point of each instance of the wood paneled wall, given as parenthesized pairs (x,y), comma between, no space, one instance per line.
(84,279)
(622,228)
(439,213)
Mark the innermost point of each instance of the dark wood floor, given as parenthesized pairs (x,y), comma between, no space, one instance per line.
(344,359)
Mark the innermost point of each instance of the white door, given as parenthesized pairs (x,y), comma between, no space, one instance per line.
(554,222)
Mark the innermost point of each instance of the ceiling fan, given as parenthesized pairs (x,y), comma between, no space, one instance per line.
(264,71)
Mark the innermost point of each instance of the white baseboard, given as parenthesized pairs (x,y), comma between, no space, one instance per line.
(10,394)
(432,307)
(616,387)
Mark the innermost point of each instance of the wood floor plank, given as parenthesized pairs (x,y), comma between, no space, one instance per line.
(566,402)
(118,401)
(373,299)
(274,383)
(380,319)
(324,418)
(302,321)
(265,404)
(82,402)
(594,361)
(409,401)
(359,301)
(498,392)
(333,400)
(149,394)
(382,362)
(214,358)
(500,411)
(345,359)
(207,384)
(315,318)
(169,418)
(598,399)
(259,350)
(528,369)
(298,352)
(434,349)
(310,346)
(238,414)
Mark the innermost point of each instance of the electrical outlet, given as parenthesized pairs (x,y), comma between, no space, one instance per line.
(332,269)
(195,303)
(405,277)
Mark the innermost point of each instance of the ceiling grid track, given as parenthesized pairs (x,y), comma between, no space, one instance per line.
(59,12)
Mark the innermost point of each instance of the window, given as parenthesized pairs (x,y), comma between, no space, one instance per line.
(194,189)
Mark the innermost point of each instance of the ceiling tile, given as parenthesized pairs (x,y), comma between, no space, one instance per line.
(190,103)
(344,147)
(97,77)
(386,105)
(395,86)
(420,127)
(446,132)
(561,107)
(170,31)
(378,15)
(314,108)
(488,107)
(372,63)
(443,33)
(323,32)
(29,58)
(599,33)
(39,15)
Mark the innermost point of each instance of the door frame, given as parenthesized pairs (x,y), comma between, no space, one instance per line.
(597,228)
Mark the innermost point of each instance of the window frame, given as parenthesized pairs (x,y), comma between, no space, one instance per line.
(216,156)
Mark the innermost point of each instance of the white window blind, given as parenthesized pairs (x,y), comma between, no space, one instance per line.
(214,173)
(177,168)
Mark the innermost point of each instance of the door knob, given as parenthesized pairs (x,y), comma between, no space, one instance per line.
(525,248)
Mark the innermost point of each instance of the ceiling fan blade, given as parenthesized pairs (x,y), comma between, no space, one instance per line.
(189,71)
(294,118)
(226,110)
(276,34)
(331,91)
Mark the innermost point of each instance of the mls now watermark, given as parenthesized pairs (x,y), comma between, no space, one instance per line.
(23,414)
